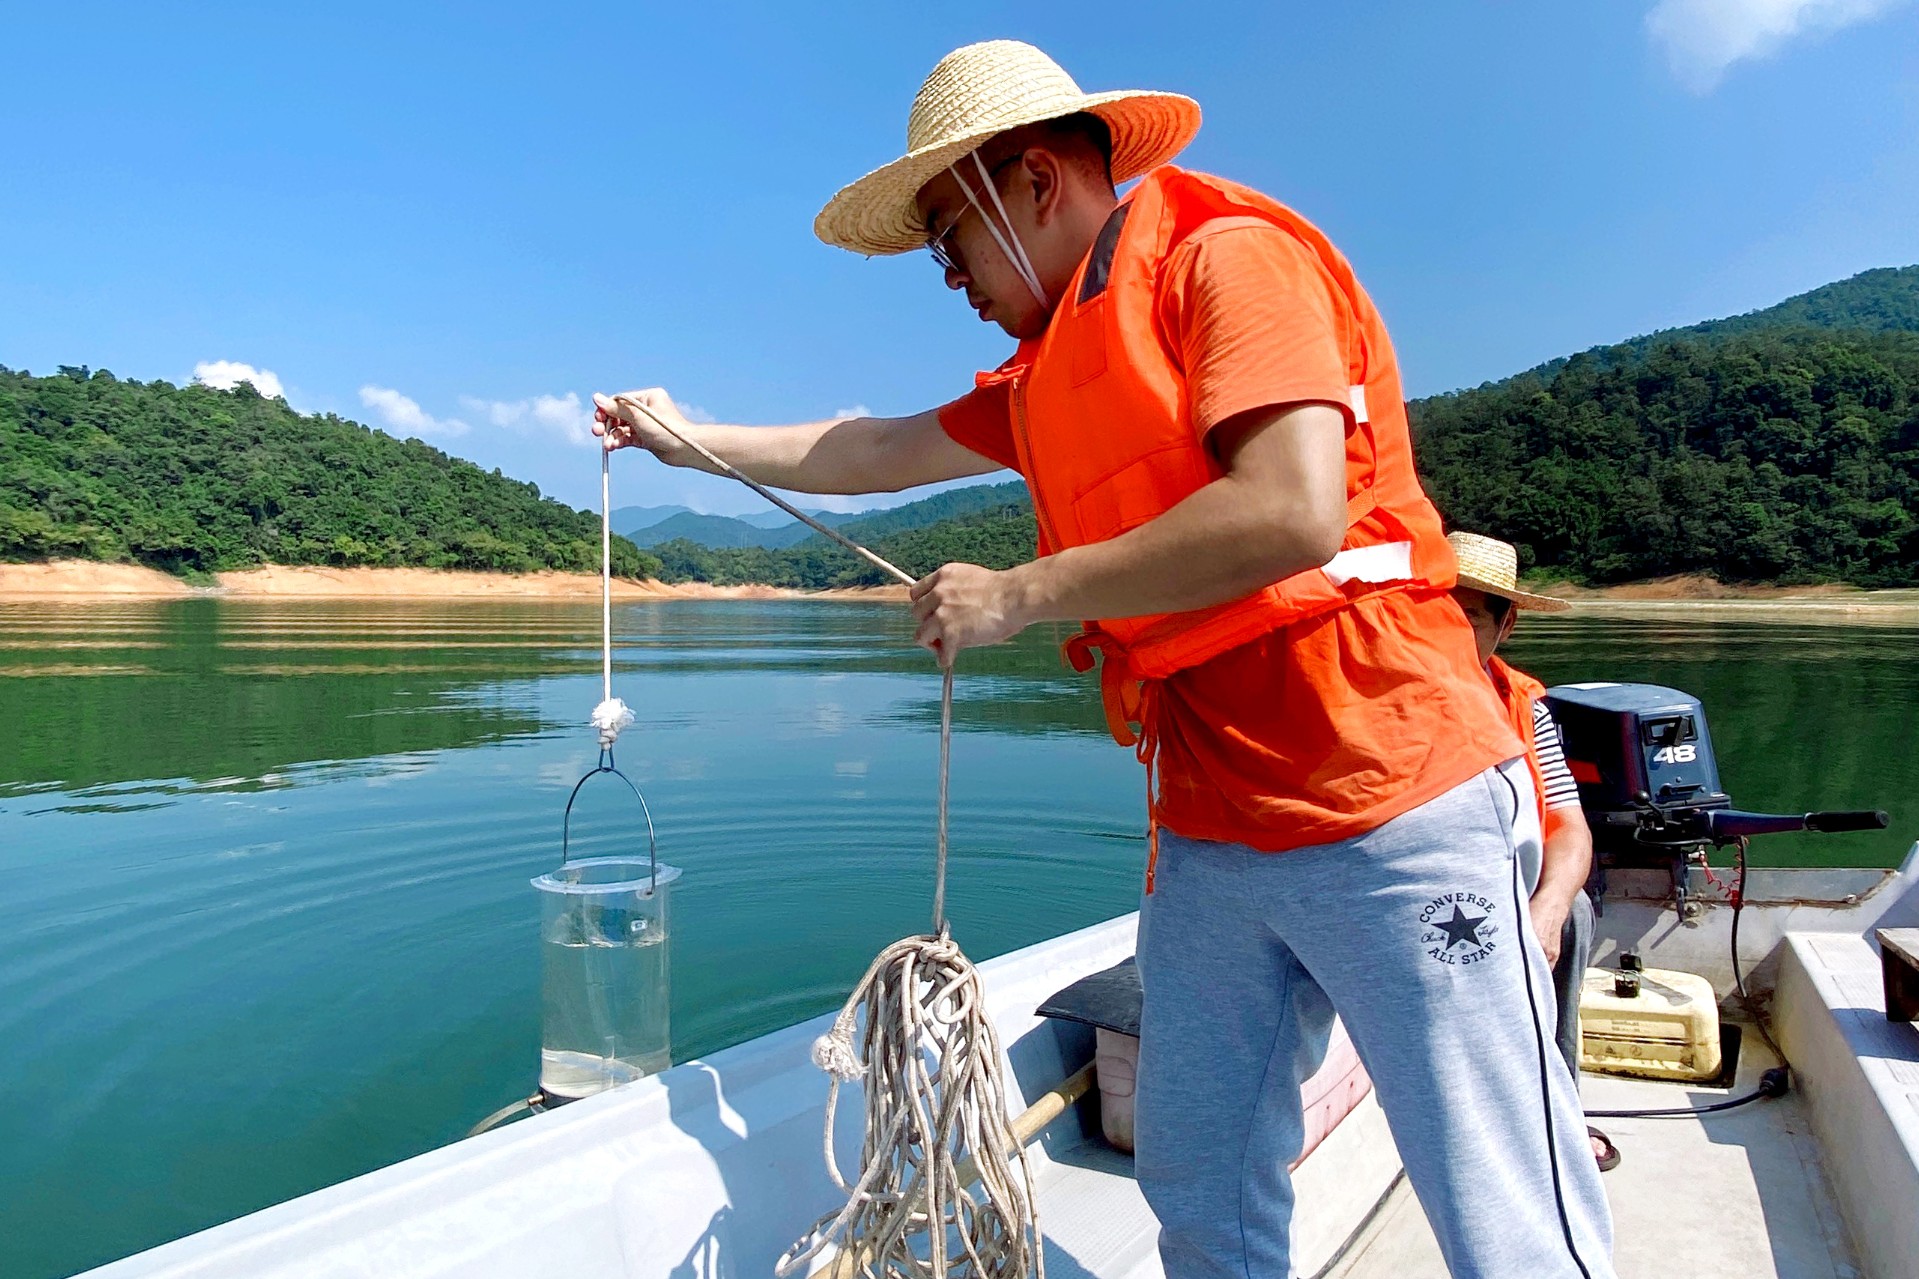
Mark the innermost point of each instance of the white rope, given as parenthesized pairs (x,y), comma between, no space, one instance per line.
(612,714)
(935,1124)
(935,1092)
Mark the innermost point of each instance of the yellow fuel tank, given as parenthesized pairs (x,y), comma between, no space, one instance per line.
(1669,1029)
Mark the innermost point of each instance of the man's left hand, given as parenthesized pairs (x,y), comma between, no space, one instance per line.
(1549,921)
(964,606)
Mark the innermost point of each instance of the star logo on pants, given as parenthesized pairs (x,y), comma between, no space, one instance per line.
(1460,928)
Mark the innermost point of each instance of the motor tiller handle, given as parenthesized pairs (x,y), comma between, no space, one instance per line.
(1848,819)
(1731,823)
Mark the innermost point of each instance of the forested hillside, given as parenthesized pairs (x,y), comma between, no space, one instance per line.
(998,538)
(189,479)
(1781,456)
(1882,300)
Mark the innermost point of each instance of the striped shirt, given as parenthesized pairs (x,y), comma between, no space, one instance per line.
(1561,790)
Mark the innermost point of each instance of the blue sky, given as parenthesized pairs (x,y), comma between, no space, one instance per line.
(446,220)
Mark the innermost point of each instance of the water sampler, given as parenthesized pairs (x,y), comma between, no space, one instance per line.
(605,928)
(604,977)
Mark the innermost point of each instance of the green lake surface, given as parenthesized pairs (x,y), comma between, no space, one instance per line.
(267,923)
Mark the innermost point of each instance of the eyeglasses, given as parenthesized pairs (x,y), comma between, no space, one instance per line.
(942,245)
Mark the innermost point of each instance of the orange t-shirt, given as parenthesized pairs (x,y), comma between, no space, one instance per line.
(1252,750)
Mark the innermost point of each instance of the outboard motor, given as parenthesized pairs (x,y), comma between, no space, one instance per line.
(1649,783)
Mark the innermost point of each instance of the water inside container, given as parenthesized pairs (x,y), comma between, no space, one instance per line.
(604,975)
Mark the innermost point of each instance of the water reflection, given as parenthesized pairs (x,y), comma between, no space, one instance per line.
(268,926)
(167,697)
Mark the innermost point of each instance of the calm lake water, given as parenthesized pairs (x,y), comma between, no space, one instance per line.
(266,921)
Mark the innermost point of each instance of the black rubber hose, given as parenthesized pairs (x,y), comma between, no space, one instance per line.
(1774,1083)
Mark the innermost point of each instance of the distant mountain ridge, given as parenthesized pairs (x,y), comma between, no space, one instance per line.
(627,520)
(730,531)
(774,529)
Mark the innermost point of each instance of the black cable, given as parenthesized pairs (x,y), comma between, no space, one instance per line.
(1539,1042)
(1773,1083)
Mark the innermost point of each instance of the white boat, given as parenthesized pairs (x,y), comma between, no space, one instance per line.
(711,1169)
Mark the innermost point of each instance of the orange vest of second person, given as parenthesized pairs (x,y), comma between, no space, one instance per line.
(1107,442)
(1518,691)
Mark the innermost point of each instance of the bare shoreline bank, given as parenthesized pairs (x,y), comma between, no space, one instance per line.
(81,580)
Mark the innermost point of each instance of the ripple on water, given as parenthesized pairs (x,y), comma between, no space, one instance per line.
(285,861)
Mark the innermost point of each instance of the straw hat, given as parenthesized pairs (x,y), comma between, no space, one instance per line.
(974,93)
(1490,565)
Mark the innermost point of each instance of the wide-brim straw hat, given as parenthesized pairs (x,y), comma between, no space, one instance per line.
(1490,565)
(974,93)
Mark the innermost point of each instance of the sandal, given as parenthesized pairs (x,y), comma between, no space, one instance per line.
(1609,1160)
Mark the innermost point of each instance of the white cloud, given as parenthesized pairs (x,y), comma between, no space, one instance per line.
(693,412)
(224,375)
(858,410)
(562,415)
(1702,38)
(403,416)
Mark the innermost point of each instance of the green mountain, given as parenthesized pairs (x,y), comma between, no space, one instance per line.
(193,480)
(999,538)
(774,529)
(1882,300)
(1787,455)
(927,511)
(628,520)
(724,531)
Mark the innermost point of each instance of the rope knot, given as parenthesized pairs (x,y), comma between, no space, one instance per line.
(609,717)
(833,1053)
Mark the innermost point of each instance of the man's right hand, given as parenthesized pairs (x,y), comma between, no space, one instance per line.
(839,455)
(618,420)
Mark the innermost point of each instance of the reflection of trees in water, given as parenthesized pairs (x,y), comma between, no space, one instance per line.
(1019,687)
(1803,716)
(233,694)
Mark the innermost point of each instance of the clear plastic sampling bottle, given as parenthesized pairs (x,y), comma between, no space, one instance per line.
(604,942)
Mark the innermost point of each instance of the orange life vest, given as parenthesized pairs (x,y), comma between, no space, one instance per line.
(1518,691)
(1105,437)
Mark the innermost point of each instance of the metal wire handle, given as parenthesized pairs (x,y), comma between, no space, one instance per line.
(652,843)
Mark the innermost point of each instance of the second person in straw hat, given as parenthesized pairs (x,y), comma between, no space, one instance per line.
(1562,915)
(1206,407)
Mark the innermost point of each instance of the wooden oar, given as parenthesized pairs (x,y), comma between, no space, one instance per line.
(1030,1123)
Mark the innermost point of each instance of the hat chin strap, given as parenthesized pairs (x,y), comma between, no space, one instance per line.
(1009,242)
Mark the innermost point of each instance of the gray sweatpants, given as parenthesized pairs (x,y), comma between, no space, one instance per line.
(1569,975)
(1417,933)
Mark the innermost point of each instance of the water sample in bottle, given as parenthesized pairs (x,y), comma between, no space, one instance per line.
(604,980)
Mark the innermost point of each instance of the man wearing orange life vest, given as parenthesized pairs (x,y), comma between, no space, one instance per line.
(1488,593)
(1206,408)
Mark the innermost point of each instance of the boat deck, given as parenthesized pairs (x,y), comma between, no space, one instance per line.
(1738,1195)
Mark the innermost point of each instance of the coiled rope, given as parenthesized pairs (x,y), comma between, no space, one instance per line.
(935,1092)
